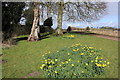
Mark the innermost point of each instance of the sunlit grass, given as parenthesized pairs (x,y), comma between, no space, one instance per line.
(26,57)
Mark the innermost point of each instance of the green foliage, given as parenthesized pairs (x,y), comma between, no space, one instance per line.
(11,15)
(29,14)
(76,61)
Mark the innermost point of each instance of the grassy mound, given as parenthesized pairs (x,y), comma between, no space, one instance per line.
(77,61)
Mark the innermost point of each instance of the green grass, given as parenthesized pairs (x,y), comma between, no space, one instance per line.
(26,57)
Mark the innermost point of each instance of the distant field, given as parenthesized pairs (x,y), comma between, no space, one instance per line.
(108,32)
(26,57)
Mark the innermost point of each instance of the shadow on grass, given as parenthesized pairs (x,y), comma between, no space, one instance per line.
(83,33)
(44,36)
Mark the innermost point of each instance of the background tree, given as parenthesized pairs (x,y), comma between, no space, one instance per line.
(87,28)
(11,15)
(60,16)
(79,11)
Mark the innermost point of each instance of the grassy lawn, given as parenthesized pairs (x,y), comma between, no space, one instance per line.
(26,57)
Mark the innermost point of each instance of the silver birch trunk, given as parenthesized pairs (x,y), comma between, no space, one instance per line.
(34,31)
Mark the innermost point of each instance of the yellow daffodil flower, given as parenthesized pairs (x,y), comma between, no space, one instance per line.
(82,71)
(96,57)
(108,62)
(63,63)
(82,53)
(43,65)
(68,53)
(96,60)
(49,66)
(69,59)
(56,72)
(92,61)
(92,51)
(86,64)
(66,61)
(91,47)
(53,62)
(101,58)
(72,64)
(56,59)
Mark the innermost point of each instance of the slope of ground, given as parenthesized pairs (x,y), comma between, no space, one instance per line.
(24,59)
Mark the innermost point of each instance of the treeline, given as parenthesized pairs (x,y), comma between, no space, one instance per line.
(14,12)
(110,28)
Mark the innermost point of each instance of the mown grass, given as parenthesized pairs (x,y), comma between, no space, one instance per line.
(26,57)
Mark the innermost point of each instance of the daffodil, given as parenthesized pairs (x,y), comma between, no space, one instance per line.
(74,73)
(74,50)
(91,47)
(92,51)
(96,60)
(82,48)
(72,64)
(48,73)
(56,59)
(86,64)
(69,59)
(82,53)
(101,58)
(77,49)
(56,72)
(43,65)
(63,63)
(53,62)
(108,62)
(66,61)
(68,53)
(82,71)
(98,65)
(48,62)
(48,59)
(103,65)
(49,66)
(92,61)
(96,57)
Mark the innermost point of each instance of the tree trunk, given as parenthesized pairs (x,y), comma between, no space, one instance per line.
(42,15)
(60,15)
(48,11)
(35,29)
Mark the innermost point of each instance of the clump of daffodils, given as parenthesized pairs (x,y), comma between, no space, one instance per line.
(69,36)
(75,61)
